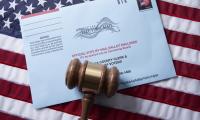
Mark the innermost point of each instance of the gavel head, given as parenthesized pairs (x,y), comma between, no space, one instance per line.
(92,78)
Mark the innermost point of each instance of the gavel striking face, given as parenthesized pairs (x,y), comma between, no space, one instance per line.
(91,79)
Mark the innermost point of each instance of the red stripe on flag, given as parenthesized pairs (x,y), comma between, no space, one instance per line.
(22,93)
(6,116)
(15,91)
(179,11)
(187,69)
(104,113)
(101,113)
(164,95)
(183,39)
(148,92)
(12,59)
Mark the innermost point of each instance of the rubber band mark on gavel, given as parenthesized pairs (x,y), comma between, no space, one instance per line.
(91,79)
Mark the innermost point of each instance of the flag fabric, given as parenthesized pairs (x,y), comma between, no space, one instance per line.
(175,99)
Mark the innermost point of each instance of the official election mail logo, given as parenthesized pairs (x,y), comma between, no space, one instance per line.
(105,24)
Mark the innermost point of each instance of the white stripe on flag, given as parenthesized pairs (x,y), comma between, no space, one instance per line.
(13,74)
(181,25)
(185,54)
(150,108)
(188,3)
(23,109)
(11,44)
(182,84)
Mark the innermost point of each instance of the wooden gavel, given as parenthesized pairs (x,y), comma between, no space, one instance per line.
(91,79)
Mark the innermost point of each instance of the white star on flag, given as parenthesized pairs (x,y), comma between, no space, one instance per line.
(18,15)
(2,11)
(30,8)
(7,23)
(58,5)
(71,1)
(13,4)
(41,2)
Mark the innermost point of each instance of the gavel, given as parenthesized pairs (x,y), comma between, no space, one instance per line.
(92,79)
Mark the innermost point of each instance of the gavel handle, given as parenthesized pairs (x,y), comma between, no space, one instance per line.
(87,102)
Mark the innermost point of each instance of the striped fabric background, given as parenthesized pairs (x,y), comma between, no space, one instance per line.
(175,99)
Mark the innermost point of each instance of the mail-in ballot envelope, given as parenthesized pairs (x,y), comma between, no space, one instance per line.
(127,34)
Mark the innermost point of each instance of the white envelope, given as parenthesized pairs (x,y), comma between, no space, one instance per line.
(128,35)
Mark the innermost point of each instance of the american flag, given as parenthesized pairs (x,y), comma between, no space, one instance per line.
(175,99)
